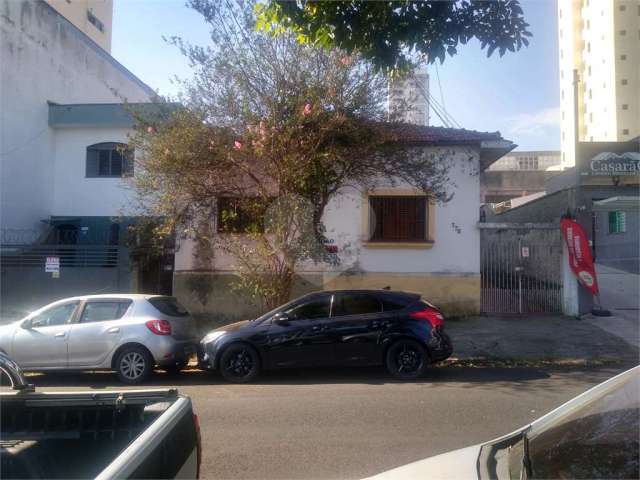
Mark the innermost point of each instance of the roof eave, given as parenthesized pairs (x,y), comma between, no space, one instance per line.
(492,150)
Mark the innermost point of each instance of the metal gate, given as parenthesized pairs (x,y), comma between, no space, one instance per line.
(521,268)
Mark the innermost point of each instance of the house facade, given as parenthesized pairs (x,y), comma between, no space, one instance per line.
(63,181)
(388,236)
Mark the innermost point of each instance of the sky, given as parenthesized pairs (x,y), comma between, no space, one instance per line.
(517,94)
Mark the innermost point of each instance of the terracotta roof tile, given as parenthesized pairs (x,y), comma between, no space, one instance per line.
(406,132)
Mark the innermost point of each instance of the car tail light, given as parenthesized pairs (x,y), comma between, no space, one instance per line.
(196,423)
(159,327)
(431,315)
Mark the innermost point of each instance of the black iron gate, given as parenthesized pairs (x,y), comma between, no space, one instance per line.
(521,268)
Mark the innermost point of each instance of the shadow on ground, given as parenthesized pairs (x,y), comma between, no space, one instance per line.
(356,376)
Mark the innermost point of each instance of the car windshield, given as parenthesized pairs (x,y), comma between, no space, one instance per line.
(599,439)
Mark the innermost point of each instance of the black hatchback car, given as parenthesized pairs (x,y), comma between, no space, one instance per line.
(344,327)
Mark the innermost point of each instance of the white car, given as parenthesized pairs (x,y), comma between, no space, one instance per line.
(595,435)
(127,333)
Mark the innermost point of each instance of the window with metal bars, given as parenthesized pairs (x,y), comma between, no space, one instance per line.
(617,222)
(398,219)
(240,215)
(109,159)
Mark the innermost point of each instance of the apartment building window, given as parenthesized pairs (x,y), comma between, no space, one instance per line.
(624,81)
(617,222)
(623,57)
(590,95)
(623,8)
(625,131)
(623,33)
(591,117)
(395,218)
(625,106)
(528,163)
(93,20)
(109,159)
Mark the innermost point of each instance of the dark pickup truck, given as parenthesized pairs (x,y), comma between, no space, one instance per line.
(103,435)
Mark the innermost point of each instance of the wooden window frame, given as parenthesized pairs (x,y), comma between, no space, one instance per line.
(367,220)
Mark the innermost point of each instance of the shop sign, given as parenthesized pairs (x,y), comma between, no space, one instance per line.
(613,165)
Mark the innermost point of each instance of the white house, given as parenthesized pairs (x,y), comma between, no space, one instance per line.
(432,249)
(47,60)
(62,176)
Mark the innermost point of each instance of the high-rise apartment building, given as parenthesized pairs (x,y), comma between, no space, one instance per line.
(92,17)
(408,98)
(600,39)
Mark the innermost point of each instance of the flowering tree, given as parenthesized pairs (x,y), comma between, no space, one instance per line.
(268,132)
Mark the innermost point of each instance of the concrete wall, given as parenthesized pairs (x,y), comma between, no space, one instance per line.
(498,186)
(44,57)
(76,12)
(24,289)
(73,193)
(446,271)
(618,250)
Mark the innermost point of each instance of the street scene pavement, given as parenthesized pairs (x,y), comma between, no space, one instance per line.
(351,423)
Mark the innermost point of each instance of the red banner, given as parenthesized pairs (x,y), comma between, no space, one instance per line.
(580,259)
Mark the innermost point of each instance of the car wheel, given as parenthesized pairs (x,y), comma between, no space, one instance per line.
(133,365)
(239,363)
(407,359)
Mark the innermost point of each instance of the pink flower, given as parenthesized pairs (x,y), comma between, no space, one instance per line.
(237,145)
(307,109)
(346,61)
(150,130)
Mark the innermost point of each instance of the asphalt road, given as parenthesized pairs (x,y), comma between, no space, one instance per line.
(355,423)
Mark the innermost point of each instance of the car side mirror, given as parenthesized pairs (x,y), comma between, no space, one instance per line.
(27,324)
(281,318)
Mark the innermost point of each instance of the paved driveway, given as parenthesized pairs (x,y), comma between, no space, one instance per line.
(352,423)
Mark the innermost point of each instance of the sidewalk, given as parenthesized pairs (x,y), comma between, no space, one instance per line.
(556,339)
(620,294)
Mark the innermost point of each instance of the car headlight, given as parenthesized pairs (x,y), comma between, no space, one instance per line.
(210,337)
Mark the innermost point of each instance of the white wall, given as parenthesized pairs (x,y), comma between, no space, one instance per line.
(452,252)
(44,57)
(73,193)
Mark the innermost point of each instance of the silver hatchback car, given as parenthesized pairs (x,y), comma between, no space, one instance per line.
(127,333)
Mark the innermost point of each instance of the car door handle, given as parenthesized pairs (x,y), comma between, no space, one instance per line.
(379,323)
(60,335)
(318,328)
(113,330)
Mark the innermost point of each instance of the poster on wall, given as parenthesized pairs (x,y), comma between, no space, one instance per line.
(52,266)
(580,258)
